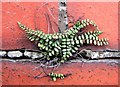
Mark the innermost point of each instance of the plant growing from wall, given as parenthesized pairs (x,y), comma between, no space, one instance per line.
(64,45)
(60,47)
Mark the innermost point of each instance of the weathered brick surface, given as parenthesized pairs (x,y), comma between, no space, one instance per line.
(104,14)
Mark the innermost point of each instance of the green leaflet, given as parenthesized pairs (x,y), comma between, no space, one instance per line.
(47,40)
(73,51)
(37,39)
(64,50)
(68,43)
(91,22)
(32,39)
(68,40)
(78,28)
(50,36)
(62,78)
(97,38)
(50,42)
(60,36)
(81,42)
(81,26)
(36,33)
(87,23)
(50,54)
(46,48)
(91,41)
(55,36)
(64,43)
(84,25)
(40,45)
(77,41)
(41,41)
(54,78)
(74,26)
(48,58)
(79,37)
(107,43)
(53,52)
(45,37)
(77,24)
(72,42)
(64,39)
(69,54)
(64,46)
(84,20)
(58,47)
(91,32)
(87,41)
(101,43)
(57,50)
(75,30)
(98,43)
(78,45)
(87,20)
(88,33)
(91,36)
(95,42)
(82,36)
(64,56)
(75,48)
(86,36)
(40,33)
(59,75)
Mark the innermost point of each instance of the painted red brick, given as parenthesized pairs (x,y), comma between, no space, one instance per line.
(104,14)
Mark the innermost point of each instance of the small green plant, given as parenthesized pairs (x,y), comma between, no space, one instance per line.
(61,46)
(55,76)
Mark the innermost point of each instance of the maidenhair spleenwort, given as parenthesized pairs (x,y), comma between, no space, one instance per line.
(55,76)
(64,45)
